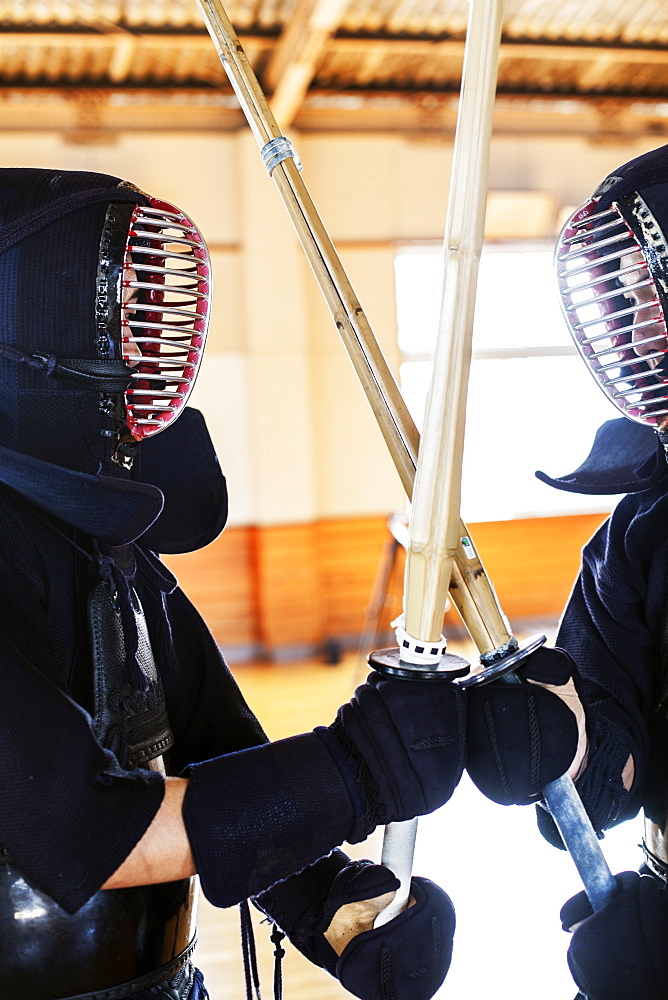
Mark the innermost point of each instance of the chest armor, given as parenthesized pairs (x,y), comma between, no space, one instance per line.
(121,941)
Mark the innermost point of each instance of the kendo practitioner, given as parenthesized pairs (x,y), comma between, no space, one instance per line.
(612,265)
(129,760)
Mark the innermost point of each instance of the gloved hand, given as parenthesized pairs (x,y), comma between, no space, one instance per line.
(620,952)
(521,736)
(407,740)
(407,957)
(397,750)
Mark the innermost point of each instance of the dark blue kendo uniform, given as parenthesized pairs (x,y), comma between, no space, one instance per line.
(614,622)
(112,679)
(71,813)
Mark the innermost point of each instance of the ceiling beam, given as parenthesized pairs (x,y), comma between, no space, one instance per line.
(540,51)
(318,20)
(291,66)
(27,54)
(297,55)
(596,119)
(99,115)
(123,54)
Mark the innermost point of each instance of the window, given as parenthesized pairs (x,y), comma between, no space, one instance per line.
(532,403)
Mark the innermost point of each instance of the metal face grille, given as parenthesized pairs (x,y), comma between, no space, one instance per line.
(166,298)
(613,309)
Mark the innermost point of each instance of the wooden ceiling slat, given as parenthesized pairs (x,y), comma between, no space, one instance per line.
(96,114)
(298,53)
(617,49)
(630,21)
(592,63)
(122,58)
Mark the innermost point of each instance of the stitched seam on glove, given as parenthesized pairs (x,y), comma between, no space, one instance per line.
(534,734)
(436,936)
(498,759)
(387,985)
(374,813)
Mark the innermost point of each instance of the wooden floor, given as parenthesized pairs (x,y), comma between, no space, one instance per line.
(506,883)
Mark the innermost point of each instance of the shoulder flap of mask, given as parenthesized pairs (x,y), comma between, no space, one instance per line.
(626,457)
(116,511)
(182,463)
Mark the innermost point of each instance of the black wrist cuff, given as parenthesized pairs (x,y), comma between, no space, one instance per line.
(262,814)
(296,904)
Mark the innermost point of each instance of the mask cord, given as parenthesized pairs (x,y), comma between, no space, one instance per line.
(276,938)
(248,952)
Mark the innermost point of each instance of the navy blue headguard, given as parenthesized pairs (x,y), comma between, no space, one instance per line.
(63,377)
(612,272)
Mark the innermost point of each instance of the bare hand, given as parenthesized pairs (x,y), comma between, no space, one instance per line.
(352,919)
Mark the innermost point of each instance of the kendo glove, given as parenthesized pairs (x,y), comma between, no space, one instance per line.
(408,957)
(523,735)
(620,952)
(395,751)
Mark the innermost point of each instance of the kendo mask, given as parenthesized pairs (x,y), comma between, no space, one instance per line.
(104,310)
(612,270)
